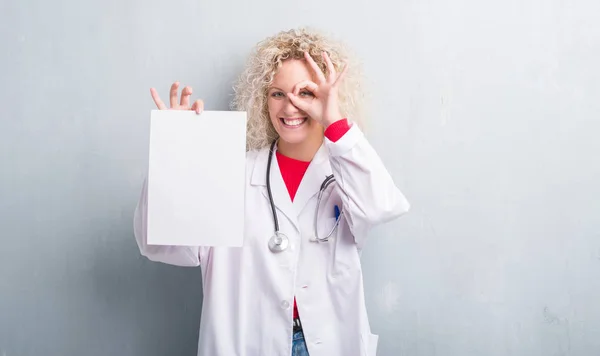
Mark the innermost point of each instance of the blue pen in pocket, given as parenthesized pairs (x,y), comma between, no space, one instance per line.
(336,209)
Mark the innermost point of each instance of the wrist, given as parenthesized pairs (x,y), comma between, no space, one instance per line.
(329,121)
(337,130)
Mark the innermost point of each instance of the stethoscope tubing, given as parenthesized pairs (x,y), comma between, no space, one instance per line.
(279,241)
(275,221)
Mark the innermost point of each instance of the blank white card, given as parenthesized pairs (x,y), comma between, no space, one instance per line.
(196,178)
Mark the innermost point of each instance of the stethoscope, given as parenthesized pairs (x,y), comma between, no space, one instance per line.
(279,241)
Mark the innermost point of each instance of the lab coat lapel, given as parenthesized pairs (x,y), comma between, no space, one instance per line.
(281,196)
(316,173)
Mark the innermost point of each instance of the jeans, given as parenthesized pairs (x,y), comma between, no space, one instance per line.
(298,345)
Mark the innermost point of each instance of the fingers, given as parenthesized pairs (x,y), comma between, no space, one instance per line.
(299,103)
(341,76)
(184,103)
(333,76)
(185,97)
(198,106)
(318,72)
(173,94)
(311,86)
(330,68)
(159,103)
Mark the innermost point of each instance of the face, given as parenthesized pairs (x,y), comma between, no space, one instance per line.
(293,125)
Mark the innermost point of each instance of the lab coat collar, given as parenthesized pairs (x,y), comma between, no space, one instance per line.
(318,169)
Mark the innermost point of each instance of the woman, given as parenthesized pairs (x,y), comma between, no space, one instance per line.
(304,294)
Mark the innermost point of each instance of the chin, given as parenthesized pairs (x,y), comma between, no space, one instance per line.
(293,139)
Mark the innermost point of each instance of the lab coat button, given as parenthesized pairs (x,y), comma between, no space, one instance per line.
(285,304)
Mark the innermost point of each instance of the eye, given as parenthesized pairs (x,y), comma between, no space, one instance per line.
(277,94)
(306,93)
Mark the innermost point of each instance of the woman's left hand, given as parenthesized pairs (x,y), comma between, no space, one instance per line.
(323,105)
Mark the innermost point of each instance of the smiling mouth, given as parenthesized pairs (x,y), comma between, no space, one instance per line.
(293,122)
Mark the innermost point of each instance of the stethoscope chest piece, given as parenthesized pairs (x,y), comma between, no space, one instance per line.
(278,242)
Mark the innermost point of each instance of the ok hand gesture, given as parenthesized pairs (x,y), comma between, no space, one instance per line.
(324,106)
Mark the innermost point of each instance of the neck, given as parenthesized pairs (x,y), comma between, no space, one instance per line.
(304,151)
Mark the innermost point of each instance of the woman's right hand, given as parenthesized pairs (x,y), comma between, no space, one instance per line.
(183,104)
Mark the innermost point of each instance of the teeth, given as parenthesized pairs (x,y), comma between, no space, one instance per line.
(293,122)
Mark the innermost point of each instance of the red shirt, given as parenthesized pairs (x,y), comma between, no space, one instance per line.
(292,170)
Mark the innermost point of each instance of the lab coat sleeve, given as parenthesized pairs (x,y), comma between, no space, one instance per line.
(370,196)
(173,255)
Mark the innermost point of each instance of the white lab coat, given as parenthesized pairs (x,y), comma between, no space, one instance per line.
(249,291)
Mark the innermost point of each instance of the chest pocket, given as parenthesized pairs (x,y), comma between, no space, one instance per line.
(339,245)
(327,229)
(330,215)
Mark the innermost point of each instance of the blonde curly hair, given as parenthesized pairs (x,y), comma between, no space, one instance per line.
(250,90)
